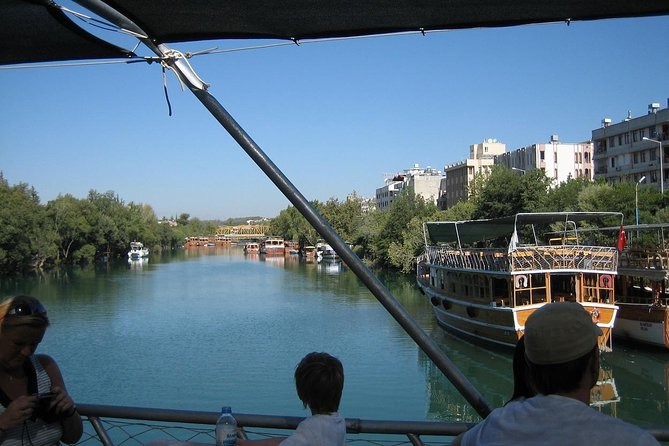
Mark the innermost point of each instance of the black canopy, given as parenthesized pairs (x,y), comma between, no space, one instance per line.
(36,31)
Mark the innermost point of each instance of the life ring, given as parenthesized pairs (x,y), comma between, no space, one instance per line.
(605,281)
(521,281)
(595,315)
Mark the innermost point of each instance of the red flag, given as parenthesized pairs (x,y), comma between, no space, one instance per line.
(622,239)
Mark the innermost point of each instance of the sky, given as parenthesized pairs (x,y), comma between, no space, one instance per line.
(335,117)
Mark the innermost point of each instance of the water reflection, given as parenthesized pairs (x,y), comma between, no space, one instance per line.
(491,374)
(137,264)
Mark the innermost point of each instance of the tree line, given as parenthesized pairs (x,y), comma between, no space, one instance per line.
(72,231)
(69,231)
(394,238)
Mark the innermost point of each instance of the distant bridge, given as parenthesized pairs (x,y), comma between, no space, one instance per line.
(243,231)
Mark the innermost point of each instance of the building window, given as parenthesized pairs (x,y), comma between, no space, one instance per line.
(642,133)
(627,138)
(653,155)
(542,155)
(612,141)
(636,157)
(635,136)
(613,162)
(643,156)
(586,156)
(620,140)
(652,132)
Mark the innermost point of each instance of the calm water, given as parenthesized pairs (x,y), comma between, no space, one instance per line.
(206,328)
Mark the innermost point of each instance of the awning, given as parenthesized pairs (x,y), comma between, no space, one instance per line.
(471,231)
(36,31)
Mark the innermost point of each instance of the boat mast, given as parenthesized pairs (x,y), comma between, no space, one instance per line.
(173,61)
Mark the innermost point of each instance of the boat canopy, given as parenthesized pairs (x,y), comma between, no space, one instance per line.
(39,31)
(470,231)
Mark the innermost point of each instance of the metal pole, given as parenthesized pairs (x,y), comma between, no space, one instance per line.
(636,201)
(661,169)
(377,288)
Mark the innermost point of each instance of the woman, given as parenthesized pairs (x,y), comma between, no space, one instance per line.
(36,408)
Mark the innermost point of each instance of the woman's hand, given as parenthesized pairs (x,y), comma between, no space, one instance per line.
(62,402)
(18,411)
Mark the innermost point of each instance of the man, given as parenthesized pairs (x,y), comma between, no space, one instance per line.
(562,358)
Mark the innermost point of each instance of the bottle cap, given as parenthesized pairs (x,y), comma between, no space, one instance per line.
(226,409)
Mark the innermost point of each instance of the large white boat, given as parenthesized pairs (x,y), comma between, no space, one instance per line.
(485,277)
(137,251)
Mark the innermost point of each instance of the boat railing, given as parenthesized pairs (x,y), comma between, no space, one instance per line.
(644,259)
(139,426)
(526,258)
(565,257)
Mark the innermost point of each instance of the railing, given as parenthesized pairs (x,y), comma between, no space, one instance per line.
(136,426)
(533,258)
(641,259)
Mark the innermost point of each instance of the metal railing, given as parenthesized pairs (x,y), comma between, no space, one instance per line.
(531,258)
(138,426)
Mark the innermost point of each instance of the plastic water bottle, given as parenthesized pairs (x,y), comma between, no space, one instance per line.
(226,428)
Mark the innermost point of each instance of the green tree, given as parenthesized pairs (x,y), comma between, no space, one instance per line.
(21,224)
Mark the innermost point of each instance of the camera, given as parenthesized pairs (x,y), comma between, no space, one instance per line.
(42,410)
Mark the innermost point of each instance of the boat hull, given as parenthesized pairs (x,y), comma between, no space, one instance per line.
(498,326)
(643,323)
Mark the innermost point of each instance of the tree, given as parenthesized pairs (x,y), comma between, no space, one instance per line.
(21,225)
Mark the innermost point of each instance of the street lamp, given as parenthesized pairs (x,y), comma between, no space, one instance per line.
(661,162)
(636,198)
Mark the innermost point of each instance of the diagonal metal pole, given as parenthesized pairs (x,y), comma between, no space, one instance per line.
(377,288)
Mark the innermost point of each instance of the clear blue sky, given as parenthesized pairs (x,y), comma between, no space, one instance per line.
(333,116)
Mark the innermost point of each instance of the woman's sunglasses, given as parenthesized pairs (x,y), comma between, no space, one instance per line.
(27,309)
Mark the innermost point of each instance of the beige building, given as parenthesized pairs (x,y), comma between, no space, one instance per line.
(423,182)
(560,161)
(460,175)
(630,150)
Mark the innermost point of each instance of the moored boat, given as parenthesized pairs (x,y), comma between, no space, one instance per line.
(325,252)
(273,246)
(292,248)
(641,288)
(485,277)
(309,253)
(252,248)
(137,251)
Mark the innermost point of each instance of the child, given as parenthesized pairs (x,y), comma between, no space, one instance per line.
(319,379)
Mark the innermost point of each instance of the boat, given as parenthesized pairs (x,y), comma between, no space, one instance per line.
(325,252)
(252,248)
(273,246)
(137,251)
(193,242)
(484,278)
(641,287)
(158,25)
(292,248)
(309,253)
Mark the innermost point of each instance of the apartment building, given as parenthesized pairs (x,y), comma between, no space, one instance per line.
(423,182)
(460,175)
(630,150)
(559,161)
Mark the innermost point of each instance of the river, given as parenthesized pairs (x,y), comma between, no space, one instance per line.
(209,327)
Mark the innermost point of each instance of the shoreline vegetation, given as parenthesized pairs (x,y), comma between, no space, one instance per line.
(82,231)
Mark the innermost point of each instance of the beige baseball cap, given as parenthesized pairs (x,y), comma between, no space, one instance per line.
(559,332)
